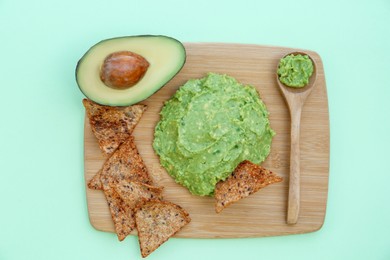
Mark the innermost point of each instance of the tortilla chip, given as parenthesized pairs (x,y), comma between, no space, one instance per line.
(121,214)
(112,125)
(156,222)
(124,164)
(246,179)
(122,199)
(132,192)
(95,182)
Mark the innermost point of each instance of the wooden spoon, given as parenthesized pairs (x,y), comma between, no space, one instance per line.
(295,98)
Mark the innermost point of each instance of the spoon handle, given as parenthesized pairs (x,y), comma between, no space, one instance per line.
(294,182)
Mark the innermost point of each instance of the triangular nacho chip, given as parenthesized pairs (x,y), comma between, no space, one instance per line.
(95,182)
(122,199)
(121,214)
(112,125)
(133,192)
(246,179)
(156,222)
(124,164)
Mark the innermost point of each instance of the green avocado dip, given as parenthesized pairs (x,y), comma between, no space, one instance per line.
(207,128)
(295,70)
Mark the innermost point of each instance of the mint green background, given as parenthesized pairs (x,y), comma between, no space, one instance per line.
(43,205)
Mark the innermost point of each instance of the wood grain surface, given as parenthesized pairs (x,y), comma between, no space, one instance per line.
(263,213)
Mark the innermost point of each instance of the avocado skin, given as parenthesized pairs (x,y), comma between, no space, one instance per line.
(162,84)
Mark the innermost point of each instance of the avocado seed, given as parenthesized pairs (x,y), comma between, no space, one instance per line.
(123,69)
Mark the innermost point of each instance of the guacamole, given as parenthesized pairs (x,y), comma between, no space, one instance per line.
(295,70)
(207,128)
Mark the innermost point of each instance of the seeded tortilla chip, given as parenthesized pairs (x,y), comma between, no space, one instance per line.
(132,192)
(156,222)
(112,125)
(124,164)
(121,214)
(246,179)
(122,198)
(95,182)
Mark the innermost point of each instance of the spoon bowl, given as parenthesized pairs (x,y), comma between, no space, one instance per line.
(295,99)
(288,92)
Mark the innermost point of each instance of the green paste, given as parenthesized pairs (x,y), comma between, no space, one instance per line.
(207,128)
(295,70)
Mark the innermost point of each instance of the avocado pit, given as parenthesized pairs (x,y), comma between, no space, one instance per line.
(123,69)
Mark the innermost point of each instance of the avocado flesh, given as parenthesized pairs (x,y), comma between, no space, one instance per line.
(165,55)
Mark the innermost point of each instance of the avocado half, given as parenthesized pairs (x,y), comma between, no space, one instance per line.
(166,57)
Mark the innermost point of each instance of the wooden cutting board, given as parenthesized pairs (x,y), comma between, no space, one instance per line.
(263,213)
